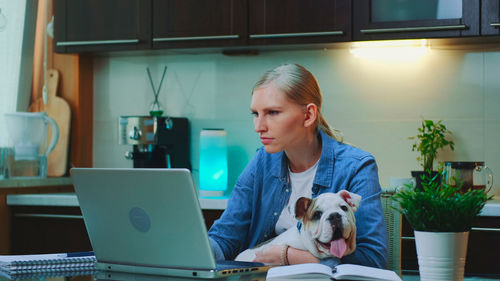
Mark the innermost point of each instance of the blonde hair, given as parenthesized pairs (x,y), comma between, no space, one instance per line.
(301,87)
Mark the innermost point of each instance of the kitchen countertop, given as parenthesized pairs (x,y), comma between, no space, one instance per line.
(70,200)
(35,182)
(491,209)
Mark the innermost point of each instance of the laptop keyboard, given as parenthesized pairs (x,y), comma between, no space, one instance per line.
(225,265)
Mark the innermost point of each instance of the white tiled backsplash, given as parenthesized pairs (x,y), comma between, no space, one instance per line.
(377,105)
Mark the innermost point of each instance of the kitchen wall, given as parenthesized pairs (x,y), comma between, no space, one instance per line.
(377,104)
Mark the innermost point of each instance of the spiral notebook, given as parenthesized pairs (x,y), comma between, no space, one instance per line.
(45,273)
(59,264)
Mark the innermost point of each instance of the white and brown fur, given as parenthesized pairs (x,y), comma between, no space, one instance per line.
(328,217)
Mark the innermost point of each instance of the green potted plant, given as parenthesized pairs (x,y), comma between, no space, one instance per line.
(441,216)
(431,137)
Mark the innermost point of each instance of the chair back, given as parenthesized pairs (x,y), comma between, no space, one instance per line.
(393,226)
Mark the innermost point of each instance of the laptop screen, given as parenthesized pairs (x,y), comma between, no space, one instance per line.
(144,217)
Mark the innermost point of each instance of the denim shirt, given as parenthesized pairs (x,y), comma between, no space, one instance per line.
(263,190)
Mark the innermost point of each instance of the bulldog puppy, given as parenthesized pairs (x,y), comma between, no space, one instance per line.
(326,227)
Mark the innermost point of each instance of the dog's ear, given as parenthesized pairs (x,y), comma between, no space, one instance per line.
(301,207)
(352,199)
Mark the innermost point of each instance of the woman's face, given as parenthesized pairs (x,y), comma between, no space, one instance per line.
(278,120)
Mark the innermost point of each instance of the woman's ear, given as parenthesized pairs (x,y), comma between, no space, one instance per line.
(311,114)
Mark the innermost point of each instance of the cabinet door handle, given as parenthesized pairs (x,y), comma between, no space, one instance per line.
(98,42)
(411,29)
(50,216)
(218,37)
(302,34)
(495,24)
(485,229)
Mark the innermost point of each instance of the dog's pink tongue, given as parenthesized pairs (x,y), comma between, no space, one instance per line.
(338,247)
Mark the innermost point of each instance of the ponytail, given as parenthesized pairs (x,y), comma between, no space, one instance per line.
(325,128)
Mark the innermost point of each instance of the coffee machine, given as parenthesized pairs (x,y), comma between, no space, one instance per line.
(157,142)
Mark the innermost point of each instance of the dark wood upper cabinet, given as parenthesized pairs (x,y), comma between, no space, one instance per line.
(114,25)
(298,21)
(402,19)
(490,20)
(96,25)
(198,23)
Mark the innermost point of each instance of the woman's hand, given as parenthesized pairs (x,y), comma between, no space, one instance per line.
(269,255)
(295,256)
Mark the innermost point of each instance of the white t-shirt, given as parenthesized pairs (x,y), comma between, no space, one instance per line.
(301,185)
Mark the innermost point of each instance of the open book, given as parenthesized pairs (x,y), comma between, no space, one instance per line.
(316,271)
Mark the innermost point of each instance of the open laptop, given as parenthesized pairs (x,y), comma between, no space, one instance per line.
(149,221)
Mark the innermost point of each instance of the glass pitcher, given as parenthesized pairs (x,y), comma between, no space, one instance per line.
(472,175)
(29,146)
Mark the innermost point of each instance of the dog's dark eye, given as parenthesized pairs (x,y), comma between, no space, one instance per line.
(344,208)
(317,215)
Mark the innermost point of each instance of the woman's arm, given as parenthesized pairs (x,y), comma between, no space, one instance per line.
(231,229)
(274,255)
(229,232)
(296,256)
(371,241)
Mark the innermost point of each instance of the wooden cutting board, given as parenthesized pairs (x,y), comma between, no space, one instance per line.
(59,110)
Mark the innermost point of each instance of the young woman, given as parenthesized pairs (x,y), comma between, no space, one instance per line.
(301,156)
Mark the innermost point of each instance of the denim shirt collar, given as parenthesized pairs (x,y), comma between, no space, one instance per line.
(324,173)
(281,161)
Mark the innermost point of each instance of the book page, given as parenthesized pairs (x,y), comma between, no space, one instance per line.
(300,271)
(359,272)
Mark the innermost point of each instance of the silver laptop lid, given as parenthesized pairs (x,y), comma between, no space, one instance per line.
(144,217)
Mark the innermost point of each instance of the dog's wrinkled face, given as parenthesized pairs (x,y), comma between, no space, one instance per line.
(328,221)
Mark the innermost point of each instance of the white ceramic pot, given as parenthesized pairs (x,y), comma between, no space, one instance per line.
(441,255)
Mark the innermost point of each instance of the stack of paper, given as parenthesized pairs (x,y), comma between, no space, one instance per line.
(44,265)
